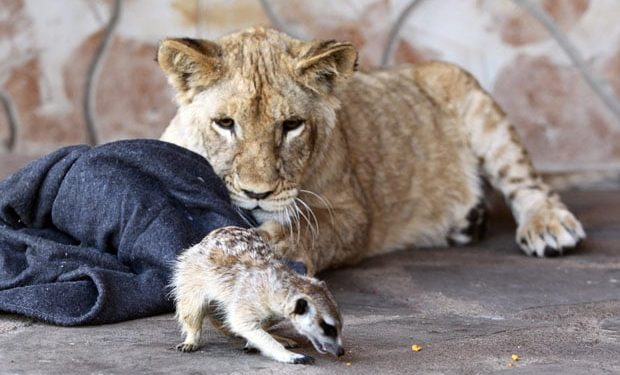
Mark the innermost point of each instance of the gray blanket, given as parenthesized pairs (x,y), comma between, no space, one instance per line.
(88,235)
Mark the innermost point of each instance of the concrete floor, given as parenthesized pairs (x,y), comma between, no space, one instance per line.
(469,308)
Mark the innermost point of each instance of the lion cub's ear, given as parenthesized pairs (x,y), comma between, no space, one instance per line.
(324,63)
(190,64)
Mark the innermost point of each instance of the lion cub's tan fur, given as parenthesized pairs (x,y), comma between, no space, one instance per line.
(339,165)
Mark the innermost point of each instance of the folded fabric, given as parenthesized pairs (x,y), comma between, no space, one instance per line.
(88,234)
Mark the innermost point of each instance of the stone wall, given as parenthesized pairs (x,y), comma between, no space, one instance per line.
(81,71)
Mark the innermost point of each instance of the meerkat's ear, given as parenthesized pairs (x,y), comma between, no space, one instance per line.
(190,63)
(322,64)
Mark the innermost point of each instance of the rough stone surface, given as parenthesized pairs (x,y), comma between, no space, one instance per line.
(518,28)
(545,89)
(47,47)
(469,308)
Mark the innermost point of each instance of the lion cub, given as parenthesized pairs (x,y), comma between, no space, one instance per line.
(233,277)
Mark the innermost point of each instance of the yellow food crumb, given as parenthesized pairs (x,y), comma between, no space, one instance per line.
(416,348)
(348,363)
(515,357)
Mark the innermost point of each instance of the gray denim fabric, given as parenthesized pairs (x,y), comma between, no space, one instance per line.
(88,234)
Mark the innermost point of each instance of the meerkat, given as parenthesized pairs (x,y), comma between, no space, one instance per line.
(233,277)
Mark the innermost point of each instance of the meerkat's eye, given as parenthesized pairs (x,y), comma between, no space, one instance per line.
(225,123)
(292,124)
(301,306)
(328,329)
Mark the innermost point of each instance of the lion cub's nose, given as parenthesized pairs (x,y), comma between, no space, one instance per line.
(255,195)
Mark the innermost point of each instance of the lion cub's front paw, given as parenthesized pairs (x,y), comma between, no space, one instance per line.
(274,234)
(549,231)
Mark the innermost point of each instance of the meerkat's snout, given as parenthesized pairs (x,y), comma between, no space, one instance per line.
(319,321)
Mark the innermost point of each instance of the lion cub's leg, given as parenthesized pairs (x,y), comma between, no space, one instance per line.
(545,226)
(471,227)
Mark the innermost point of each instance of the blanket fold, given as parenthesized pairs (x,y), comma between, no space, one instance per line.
(88,234)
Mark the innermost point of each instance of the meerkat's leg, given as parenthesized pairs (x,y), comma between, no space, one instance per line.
(191,325)
(287,342)
(190,313)
(243,324)
(545,226)
(217,322)
(270,347)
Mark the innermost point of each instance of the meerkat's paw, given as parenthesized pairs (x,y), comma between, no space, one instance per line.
(285,341)
(187,347)
(249,349)
(301,359)
(549,231)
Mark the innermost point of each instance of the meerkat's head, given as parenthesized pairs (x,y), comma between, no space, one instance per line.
(314,314)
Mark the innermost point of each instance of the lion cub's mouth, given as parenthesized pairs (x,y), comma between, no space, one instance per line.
(266,209)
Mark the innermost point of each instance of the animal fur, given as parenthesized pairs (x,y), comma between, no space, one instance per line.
(341,165)
(234,278)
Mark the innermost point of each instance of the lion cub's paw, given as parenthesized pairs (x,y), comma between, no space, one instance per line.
(549,231)
(274,233)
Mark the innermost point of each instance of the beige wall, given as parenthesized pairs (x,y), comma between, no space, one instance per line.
(47,49)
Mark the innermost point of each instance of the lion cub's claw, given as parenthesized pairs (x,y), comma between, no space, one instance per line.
(549,232)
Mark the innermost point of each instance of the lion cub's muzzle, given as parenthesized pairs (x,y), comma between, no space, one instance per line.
(255,195)
(270,201)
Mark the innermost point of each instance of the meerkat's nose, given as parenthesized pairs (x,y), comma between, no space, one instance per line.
(340,351)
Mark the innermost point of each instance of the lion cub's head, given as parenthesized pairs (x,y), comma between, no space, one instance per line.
(260,106)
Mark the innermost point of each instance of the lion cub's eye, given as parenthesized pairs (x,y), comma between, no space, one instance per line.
(225,122)
(292,124)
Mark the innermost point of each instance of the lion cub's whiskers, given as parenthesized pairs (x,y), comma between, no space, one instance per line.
(242,214)
(291,219)
(296,219)
(283,216)
(312,224)
(300,214)
(326,203)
